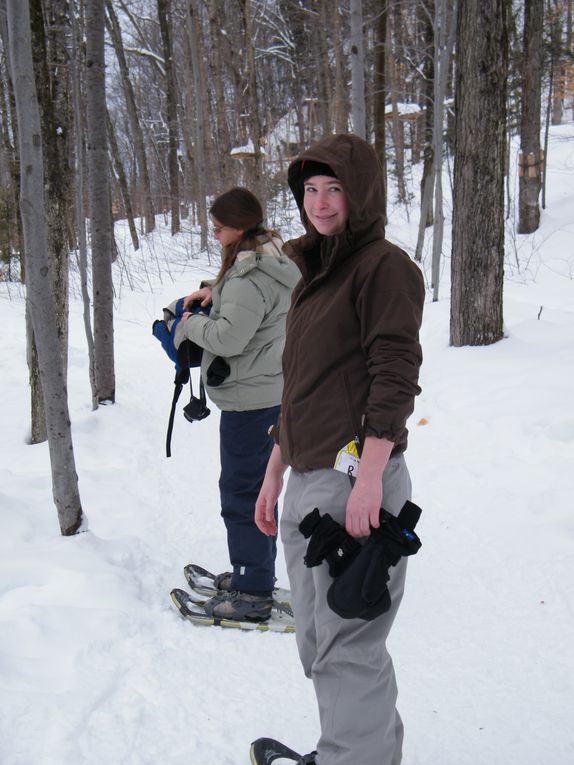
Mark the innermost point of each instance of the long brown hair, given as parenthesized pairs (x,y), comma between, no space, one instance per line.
(238,208)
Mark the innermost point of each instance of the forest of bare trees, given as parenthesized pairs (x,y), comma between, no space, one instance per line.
(150,107)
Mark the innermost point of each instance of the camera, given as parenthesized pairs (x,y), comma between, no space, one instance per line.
(196,410)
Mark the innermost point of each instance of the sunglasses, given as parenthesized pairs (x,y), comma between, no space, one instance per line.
(218,229)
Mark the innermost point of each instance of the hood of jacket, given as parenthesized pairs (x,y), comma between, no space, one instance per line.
(268,258)
(356,165)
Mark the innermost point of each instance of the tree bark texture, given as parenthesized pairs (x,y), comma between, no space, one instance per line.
(397,130)
(253,101)
(428,14)
(99,195)
(200,107)
(49,26)
(222,138)
(530,159)
(79,189)
(39,291)
(357,70)
(478,214)
(339,109)
(380,95)
(444,35)
(165,24)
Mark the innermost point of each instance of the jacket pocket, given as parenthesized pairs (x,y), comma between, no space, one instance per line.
(217,372)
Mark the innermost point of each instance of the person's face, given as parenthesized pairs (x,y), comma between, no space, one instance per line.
(226,235)
(326,204)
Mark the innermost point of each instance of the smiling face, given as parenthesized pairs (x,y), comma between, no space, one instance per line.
(326,204)
(226,235)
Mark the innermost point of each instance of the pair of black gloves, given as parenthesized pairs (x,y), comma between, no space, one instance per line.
(360,571)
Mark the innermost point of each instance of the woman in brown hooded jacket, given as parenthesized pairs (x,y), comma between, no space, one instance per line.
(350,364)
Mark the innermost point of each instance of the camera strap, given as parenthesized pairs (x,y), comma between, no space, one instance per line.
(178,383)
(202,396)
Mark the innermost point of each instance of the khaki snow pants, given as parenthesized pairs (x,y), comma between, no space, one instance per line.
(347,659)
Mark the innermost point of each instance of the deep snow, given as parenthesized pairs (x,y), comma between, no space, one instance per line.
(96,667)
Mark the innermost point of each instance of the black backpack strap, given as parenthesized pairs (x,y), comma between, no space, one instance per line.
(180,380)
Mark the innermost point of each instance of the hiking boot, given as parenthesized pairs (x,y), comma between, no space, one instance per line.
(240,606)
(222,582)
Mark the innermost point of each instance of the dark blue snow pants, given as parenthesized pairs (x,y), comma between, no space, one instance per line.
(245,446)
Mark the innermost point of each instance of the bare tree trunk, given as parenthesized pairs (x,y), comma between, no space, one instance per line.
(381,95)
(39,294)
(222,136)
(357,70)
(428,14)
(51,68)
(397,127)
(201,120)
(340,100)
(530,168)
(122,181)
(132,112)
(80,185)
(165,23)
(547,127)
(558,59)
(254,121)
(478,216)
(100,219)
(323,70)
(569,85)
(445,28)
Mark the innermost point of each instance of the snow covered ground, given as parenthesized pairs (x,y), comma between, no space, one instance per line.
(96,667)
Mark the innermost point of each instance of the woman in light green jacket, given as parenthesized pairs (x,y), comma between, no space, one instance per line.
(242,341)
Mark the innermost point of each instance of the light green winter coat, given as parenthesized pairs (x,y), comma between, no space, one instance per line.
(246,327)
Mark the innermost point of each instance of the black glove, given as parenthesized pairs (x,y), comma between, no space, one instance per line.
(361,591)
(328,541)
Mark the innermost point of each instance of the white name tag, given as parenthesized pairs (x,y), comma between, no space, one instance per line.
(347,460)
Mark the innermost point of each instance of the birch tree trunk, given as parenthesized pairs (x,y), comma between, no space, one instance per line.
(98,188)
(530,162)
(39,293)
(357,70)
(480,133)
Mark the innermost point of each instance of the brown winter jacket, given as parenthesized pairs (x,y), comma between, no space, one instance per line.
(352,353)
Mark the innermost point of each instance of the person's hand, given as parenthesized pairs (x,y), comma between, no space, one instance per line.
(363,507)
(269,494)
(204,295)
(185,316)
(366,497)
(265,504)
